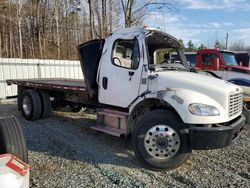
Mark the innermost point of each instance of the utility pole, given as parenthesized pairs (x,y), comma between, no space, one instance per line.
(226,41)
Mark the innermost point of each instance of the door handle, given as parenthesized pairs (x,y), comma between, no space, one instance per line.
(105,82)
(130,73)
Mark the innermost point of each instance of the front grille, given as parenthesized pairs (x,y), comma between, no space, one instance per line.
(235,104)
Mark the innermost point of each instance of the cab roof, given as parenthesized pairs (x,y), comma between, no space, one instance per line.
(154,36)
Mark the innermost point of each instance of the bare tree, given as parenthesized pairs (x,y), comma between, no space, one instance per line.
(57,28)
(237,46)
(104,18)
(19,15)
(110,15)
(90,19)
(53,28)
(135,10)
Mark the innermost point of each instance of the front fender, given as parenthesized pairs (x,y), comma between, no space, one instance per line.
(180,99)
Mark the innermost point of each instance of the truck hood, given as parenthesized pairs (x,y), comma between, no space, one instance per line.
(213,87)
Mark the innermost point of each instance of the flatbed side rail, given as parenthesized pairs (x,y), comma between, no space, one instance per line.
(36,84)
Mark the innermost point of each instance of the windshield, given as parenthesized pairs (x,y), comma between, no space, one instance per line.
(164,52)
(229,59)
(167,59)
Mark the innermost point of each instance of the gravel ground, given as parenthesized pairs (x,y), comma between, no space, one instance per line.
(65,152)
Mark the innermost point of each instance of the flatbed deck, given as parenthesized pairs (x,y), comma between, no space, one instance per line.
(51,83)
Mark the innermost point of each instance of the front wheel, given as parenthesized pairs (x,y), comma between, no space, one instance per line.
(160,141)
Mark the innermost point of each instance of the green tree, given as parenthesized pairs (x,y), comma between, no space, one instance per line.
(190,47)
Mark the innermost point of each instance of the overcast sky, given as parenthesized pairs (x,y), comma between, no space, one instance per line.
(204,21)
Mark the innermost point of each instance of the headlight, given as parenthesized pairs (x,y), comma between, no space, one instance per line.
(203,110)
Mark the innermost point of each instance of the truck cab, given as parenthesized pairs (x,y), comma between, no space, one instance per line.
(223,64)
(124,64)
(213,59)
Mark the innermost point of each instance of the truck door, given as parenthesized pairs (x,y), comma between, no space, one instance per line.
(120,72)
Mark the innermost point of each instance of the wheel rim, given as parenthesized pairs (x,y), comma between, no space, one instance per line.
(26,105)
(162,142)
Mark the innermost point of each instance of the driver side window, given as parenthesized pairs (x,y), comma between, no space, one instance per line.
(208,59)
(126,53)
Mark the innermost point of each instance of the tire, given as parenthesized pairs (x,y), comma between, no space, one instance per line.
(31,105)
(12,139)
(75,108)
(158,141)
(46,110)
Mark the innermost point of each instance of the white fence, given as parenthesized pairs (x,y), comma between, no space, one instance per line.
(11,68)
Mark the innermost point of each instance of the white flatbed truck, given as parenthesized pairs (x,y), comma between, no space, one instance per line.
(167,109)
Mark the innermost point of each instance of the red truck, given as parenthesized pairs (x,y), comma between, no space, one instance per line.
(213,59)
(222,64)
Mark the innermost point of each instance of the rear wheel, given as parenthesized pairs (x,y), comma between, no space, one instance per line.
(159,142)
(46,110)
(31,105)
(12,139)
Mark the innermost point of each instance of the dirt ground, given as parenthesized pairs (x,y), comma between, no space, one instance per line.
(65,152)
